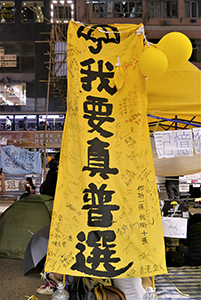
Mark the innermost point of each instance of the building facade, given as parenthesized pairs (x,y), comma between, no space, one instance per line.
(158,16)
(25,29)
(27,48)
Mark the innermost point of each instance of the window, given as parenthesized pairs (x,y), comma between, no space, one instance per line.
(23,122)
(162,9)
(6,119)
(196,55)
(114,9)
(7,9)
(54,122)
(62,11)
(32,12)
(193,9)
(12,93)
(17,57)
(35,122)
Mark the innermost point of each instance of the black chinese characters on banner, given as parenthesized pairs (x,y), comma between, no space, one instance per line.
(97,200)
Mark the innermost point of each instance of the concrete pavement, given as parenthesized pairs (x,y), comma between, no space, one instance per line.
(13,285)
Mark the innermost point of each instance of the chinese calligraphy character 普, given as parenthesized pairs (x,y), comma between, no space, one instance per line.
(99,212)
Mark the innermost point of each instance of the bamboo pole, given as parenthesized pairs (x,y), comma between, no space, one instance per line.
(47,101)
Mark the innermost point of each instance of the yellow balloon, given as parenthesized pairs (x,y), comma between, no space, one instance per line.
(153,63)
(176,46)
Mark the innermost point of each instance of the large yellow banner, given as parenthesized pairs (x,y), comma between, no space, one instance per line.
(106,219)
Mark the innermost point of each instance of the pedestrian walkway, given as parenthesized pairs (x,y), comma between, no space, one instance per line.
(5,203)
(15,286)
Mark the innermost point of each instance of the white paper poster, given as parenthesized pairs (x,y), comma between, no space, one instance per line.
(174,143)
(197,140)
(175,227)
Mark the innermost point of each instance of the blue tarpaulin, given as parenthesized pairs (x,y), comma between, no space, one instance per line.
(16,160)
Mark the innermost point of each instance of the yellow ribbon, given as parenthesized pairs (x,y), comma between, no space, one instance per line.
(187,295)
(31,297)
(42,276)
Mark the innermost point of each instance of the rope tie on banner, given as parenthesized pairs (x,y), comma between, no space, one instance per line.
(118,75)
(141,31)
(118,62)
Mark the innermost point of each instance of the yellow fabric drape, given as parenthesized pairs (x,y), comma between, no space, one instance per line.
(106,218)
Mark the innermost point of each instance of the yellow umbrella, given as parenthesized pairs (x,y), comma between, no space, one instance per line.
(174,202)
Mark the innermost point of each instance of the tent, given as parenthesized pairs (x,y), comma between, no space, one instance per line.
(174,103)
(22,218)
(176,95)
